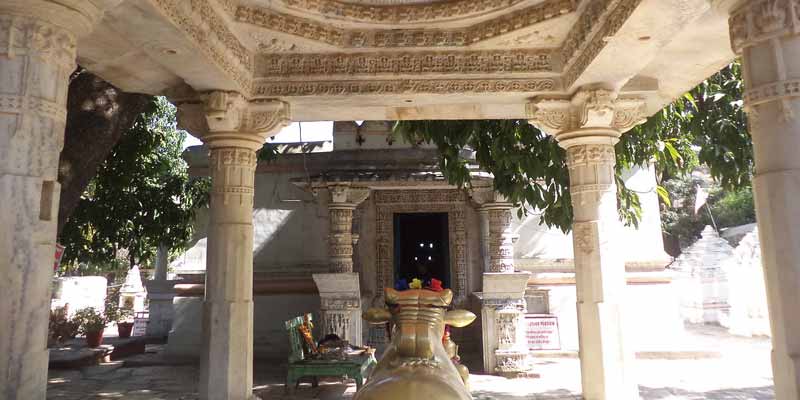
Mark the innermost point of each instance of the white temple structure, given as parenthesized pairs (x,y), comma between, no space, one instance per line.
(583,71)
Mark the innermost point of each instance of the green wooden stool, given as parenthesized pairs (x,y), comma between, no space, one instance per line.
(355,367)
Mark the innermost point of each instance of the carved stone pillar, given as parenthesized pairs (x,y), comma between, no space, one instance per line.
(234,129)
(503,307)
(37,54)
(767,36)
(588,126)
(501,237)
(340,295)
(505,349)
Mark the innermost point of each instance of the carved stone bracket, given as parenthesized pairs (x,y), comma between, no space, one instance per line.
(598,112)
(227,119)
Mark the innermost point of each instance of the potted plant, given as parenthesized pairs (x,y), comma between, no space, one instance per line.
(123,317)
(61,326)
(92,324)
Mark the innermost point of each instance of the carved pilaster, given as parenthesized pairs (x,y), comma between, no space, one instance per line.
(343,201)
(497,235)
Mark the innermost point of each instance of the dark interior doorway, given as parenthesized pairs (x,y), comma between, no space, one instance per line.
(421,247)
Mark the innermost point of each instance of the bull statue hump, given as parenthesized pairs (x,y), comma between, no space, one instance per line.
(416,365)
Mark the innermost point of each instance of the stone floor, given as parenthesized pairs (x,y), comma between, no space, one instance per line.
(742,373)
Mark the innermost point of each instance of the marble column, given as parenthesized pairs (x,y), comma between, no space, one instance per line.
(37,54)
(234,129)
(339,290)
(588,126)
(160,293)
(767,36)
(503,307)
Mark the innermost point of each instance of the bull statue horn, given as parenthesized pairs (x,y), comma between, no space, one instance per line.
(416,365)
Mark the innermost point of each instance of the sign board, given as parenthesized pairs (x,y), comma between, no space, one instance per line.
(542,332)
(140,321)
(59,256)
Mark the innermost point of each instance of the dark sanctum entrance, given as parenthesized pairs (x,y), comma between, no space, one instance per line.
(421,247)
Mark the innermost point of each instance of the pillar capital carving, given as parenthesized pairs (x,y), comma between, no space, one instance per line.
(486,198)
(753,22)
(595,113)
(343,194)
(228,119)
(75,16)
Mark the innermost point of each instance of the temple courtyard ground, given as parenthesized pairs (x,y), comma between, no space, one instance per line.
(720,367)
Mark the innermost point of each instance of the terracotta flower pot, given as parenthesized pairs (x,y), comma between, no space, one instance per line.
(124,329)
(94,339)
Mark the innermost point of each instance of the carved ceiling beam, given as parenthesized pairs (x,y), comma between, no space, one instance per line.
(596,113)
(208,30)
(227,119)
(403,38)
(599,21)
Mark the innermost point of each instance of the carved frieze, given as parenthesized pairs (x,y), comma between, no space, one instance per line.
(268,88)
(446,62)
(593,108)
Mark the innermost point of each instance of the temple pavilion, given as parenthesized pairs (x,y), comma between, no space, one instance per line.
(584,71)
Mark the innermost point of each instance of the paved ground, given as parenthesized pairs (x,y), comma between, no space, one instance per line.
(742,373)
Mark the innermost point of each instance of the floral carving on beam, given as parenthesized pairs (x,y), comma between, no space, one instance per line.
(451,201)
(591,108)
(339,37)
(441,62)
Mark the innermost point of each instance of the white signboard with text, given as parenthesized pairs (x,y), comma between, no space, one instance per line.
(542,332)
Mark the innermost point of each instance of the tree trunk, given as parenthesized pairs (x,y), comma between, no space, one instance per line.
(98,114)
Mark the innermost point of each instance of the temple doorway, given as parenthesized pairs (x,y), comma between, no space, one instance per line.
(422,247)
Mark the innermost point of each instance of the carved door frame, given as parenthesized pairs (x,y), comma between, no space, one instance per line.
(450,201)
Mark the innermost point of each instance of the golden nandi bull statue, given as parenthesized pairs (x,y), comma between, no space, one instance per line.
(416,364)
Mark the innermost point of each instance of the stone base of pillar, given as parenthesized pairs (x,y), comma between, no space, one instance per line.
(161,313)
(505,349)
(340,305)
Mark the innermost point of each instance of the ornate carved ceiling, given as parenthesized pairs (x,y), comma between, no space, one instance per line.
(390,59)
